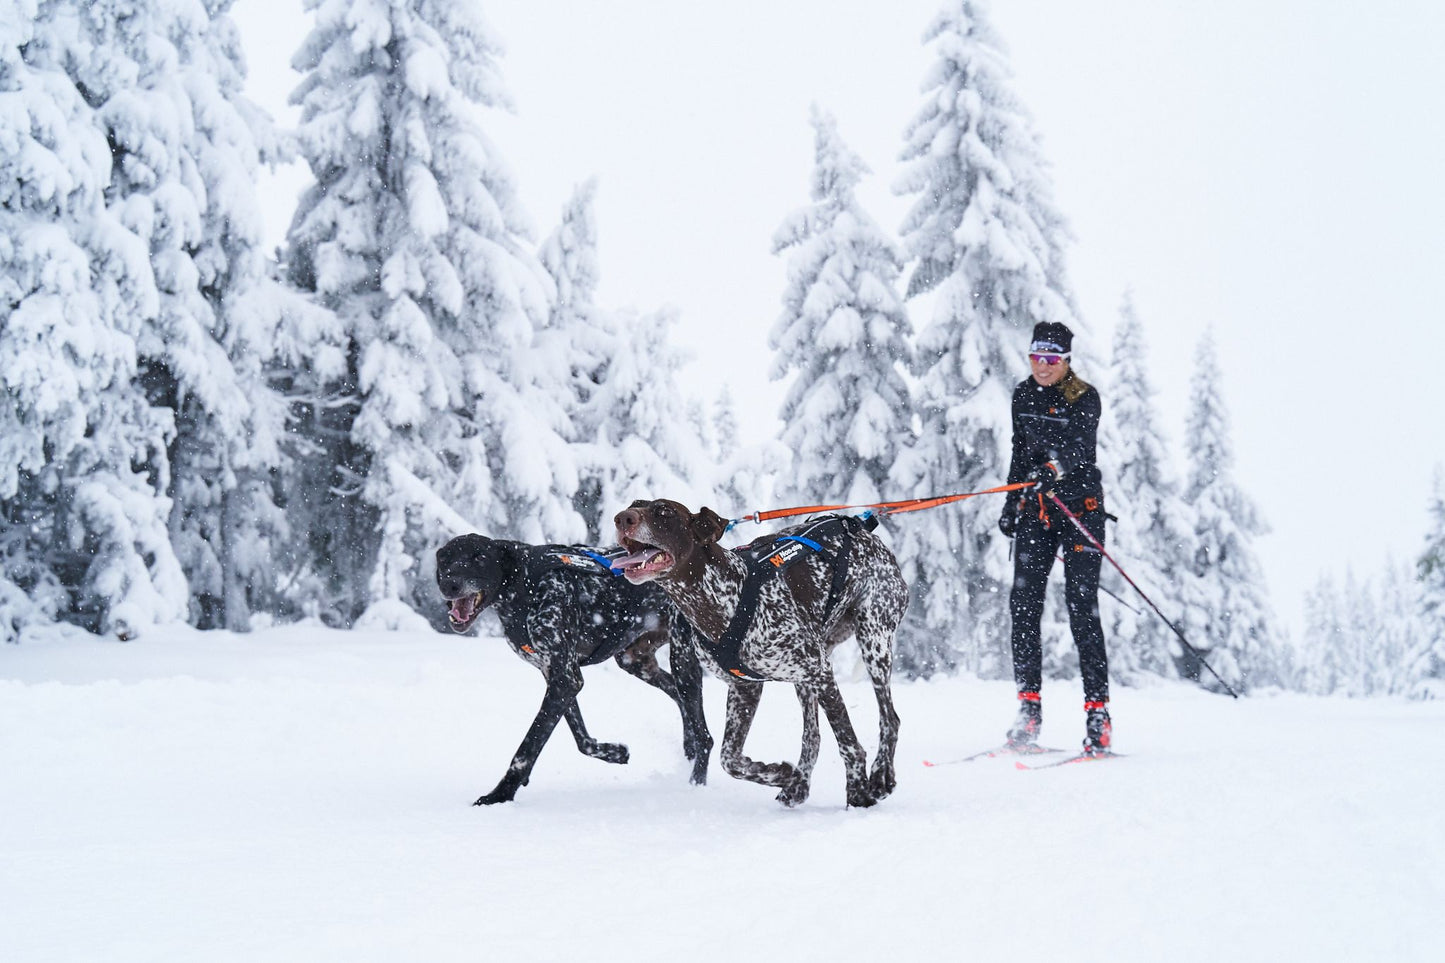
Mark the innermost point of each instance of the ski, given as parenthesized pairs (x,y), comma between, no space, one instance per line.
(994,753)
(1081,757)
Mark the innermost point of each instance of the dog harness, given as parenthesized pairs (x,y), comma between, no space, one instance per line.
(546,558)
(770,555)
(581,559)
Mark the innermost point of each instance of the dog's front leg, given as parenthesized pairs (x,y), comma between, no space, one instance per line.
(742,706)
(687,672)
(564,681)
(606,751)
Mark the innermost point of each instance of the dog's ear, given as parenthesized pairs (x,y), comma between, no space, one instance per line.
(707,526)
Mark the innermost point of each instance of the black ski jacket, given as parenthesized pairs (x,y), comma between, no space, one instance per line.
(1058,424)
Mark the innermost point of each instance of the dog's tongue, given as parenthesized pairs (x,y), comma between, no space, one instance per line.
(464,608)
(636,559)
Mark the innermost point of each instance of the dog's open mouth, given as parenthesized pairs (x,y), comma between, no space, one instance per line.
(464,611)
(644,561)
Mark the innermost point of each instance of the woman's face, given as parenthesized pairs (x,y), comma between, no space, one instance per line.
(1045,373)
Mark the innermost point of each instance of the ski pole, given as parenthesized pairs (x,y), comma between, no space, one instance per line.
(1095,542)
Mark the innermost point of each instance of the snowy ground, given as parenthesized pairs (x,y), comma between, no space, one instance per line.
(303,794)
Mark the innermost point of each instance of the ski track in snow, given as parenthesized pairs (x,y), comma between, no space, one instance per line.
(303,794)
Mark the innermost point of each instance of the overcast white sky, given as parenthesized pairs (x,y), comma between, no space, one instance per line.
(1271,168)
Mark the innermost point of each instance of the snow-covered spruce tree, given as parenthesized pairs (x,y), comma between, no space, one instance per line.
(1228,615)
(1401,664)
(1321,658)
(747,475)
(187,147)
(615,376)
(413,235)
(985,242)
(1428,655)
(725,424)
(166,80)
(82,456)
(267,329)
(578,341)
(1360,640)
(1151,537)
(187,422)
(842,335)
(641,447)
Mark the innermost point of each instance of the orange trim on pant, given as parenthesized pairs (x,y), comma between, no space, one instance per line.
(1029,696)
(1096,705)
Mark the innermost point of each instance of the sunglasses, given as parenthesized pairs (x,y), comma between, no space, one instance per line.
(1048,359)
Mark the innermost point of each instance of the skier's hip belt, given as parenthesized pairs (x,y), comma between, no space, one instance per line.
(1088,503)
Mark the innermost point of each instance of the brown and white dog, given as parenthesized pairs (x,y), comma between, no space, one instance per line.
(801,614)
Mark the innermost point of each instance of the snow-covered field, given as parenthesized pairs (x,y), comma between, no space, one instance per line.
(304,794)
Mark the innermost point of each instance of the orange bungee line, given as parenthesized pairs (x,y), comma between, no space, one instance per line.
(880,508)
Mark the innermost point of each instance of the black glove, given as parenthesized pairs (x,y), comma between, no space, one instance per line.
(1043,476)
(1008,522)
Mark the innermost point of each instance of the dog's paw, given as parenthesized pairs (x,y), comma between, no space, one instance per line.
(882,784)
(614,752)
(699,772)
(498,795)
(795,791)
(860,797)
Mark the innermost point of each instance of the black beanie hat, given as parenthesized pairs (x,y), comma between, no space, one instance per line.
(1052,337)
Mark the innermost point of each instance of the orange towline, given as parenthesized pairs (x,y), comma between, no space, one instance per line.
(881,508)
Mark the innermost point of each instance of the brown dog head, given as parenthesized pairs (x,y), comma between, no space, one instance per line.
(663,538)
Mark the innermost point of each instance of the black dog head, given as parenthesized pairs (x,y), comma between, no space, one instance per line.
(470,572)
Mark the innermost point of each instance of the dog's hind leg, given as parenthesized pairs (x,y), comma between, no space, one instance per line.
(683,686)
(640,659)
(883,779)
(742,706)
(875,641)
(855,759)
(795,791)
(606,751)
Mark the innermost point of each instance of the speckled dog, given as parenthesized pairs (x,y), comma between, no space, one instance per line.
(801,614)
(561,608)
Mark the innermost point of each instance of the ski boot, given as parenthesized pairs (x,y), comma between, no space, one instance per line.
(1025,731)
(1098,729)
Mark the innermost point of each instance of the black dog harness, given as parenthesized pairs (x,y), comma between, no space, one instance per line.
(539,559)
(549,558)
(772,554)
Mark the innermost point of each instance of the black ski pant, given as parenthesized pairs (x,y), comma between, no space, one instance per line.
(1036,542)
